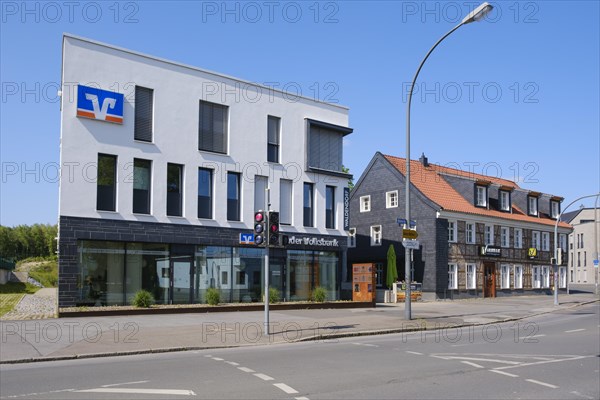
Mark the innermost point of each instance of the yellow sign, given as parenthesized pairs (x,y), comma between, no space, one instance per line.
(532,252)
(409,234)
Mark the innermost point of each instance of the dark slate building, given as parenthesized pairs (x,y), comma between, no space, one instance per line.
(479,236)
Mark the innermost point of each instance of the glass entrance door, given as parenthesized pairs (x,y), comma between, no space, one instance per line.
(181,280)
(277,274)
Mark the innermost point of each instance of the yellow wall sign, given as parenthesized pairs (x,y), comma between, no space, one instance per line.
(409,234)
(532,252)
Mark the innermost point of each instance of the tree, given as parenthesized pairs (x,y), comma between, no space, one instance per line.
(346,170)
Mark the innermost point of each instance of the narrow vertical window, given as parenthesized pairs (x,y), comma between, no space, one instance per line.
(471,276)
(352,237)
(261,183)
(452,231)
(391,199)
(554,208)
(452,275)
(330,207)
(285,202)
(518,277)
(504,236)
(546,241)
(532,205)
(142,172)
(470,233)
(205,193)
(365,203)
(273,128)
(143,114)
(504,276)
(535,239)
(106,190)
(174,189)
(481,196)
(376,235)
(537,278)
(489,235)
(233,196)
(212,127)
(504,200)
(308,204)
(518,238)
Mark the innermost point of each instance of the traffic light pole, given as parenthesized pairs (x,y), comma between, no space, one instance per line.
(267,234)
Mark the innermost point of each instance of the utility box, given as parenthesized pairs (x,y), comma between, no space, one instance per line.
(364,280)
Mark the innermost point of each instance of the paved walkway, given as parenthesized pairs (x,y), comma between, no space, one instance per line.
(67,338)
(42,304)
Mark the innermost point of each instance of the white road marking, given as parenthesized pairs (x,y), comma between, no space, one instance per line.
(503,373)
(37,394)
(217,359)
(168,392)
(245,369)
(542,383)
(265,377)
(232,363)
(546,362)
(534,336)
(414,352)
(370,345)
(582,395)
(575,330)
(472,364)
(478,359)
(124,383)
(301,398)
(285,388)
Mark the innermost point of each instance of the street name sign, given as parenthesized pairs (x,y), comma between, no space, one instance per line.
(409,234)
(411,244)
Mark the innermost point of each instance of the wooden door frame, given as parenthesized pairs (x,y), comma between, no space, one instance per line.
(491,291)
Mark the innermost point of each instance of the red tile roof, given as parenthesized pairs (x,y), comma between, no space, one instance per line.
(429,181)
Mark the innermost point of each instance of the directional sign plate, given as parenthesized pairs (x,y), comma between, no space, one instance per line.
(409,234)
(411,244)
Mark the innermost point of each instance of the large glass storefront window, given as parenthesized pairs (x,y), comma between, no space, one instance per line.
(298,279)
(236,272)
(147,269)
(327,264)
(101,273)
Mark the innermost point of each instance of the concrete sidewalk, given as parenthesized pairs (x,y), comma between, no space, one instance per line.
(68,338)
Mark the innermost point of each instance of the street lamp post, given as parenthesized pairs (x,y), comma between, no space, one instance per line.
(556,243)
(476,15)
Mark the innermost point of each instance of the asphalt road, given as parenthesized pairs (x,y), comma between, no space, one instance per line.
(553,356)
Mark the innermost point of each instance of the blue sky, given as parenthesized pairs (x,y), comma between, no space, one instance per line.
(515,96)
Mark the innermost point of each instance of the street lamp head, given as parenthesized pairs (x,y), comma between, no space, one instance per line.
(478,14)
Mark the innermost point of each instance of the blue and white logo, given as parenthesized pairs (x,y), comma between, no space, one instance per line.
(99,104)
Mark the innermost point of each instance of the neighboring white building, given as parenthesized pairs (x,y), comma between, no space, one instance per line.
(164,167)
(582,250)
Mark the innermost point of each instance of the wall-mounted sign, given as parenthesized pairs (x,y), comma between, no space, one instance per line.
(532,252)
(491,251)
(346,208)
(99,104)
(246,238)
(313,241)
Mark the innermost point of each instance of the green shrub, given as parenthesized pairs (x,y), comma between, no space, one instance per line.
(274,295)
(46,274)
(143,298)
(213,297)
(319,294)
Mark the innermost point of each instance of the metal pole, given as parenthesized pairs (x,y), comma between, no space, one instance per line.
(267,235)
(596,268)
(407,271)
(556,243)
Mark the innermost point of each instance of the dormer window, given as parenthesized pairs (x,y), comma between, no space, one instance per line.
(532,205)
(505,200)
(554,207)
(481,195)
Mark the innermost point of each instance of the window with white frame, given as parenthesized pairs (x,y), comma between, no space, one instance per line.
(365,203)
(376,235)
(562,241)
(518,277)
(535,239)
(489,235)
(504,276)
(352,237)
(452,276)
(504,236)
(471,276)
(482,197)
(545,276)
(537,277)
(504,200)
(562,277)
(532,205)
(546,241)
(452,231)
(391,199)
(470,233)
(554,208)
(518,233)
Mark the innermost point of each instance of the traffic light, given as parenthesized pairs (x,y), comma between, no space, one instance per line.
(260,221)
(273,228)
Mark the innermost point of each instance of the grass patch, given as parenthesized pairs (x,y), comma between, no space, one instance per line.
(8,301)
(46,274)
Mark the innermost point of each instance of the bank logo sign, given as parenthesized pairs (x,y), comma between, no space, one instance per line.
(99,104)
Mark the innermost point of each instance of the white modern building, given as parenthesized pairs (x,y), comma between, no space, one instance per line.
(584,242)
(163,167)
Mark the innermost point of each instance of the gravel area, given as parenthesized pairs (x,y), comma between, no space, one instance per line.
(42,304)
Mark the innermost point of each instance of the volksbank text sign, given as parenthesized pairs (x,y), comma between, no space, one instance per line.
(311,241)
